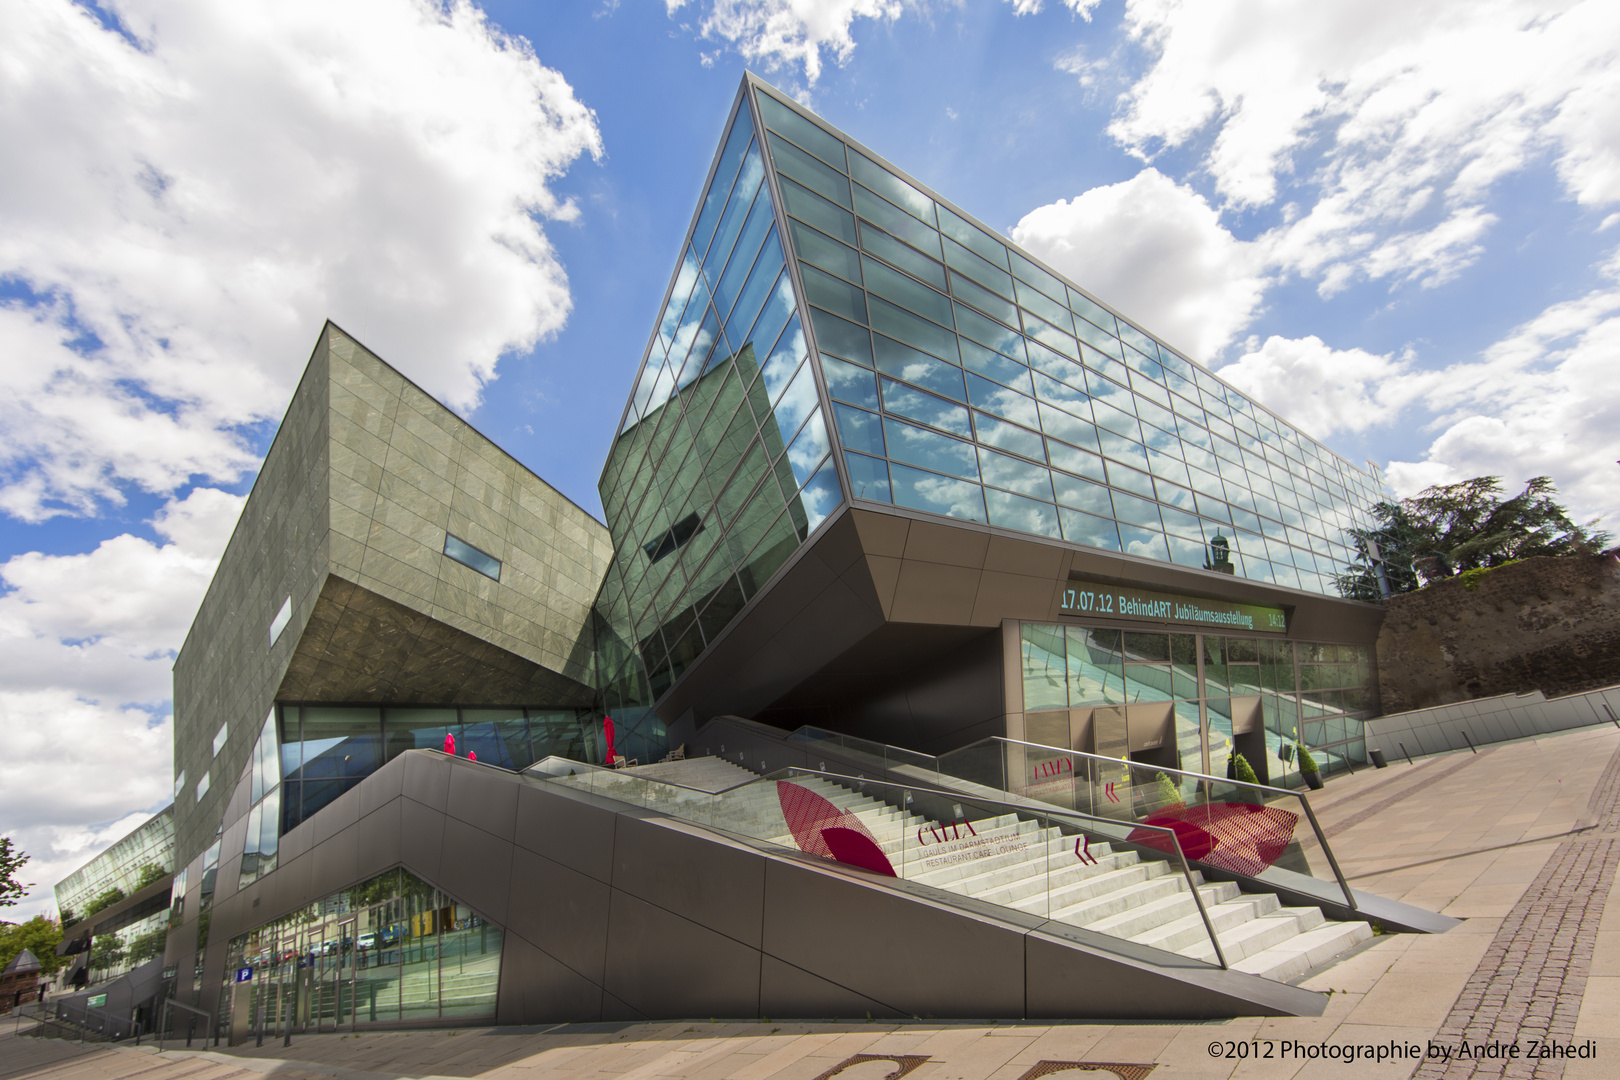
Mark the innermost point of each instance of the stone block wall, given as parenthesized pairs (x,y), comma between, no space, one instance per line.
(1548,624)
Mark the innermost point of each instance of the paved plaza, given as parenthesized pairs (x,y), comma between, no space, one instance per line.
(1520,840)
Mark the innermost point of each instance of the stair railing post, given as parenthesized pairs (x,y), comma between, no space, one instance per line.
(1186,872)
(1321,838)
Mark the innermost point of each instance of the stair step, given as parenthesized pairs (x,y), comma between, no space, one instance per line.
(1294,957)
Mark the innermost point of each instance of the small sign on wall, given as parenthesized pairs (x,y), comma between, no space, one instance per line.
(244,974)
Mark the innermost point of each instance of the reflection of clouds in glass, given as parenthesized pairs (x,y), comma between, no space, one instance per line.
(937,494)
(850,382)
(1006,403)
(1015,475)
(920,447)
(1086,529)
(809,448)
(644,389)
(797,402)
(902,400)
(738,210)
(868,477)
(821,495)
(685,278)
(661,388)
(1145,544)
(777,311)
(1026,515)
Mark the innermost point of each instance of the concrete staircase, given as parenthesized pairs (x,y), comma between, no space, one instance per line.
(1018,864)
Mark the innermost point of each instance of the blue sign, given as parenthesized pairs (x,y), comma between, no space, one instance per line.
(244,974)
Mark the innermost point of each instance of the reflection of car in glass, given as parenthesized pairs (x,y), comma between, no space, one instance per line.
(368,941)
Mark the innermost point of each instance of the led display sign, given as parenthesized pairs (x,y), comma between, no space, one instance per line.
(1100,599)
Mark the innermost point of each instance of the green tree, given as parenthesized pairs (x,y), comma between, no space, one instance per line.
(104,899)
(1450,528)
(11,860)
(149,873)
(40,935)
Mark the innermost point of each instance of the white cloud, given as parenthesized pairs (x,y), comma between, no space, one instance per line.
(87,642)
(1396,117)
(1157,251)
(1324,390)
(1545,400)
(787,34)
(190,199)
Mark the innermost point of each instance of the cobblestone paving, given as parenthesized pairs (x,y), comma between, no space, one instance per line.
(1531,981)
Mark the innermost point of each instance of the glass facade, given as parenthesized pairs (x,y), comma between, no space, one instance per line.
(968,381)
(1286,693)
(387,951)
(722,466)
(131,864)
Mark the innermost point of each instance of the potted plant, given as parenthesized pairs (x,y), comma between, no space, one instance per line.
(1309,770)
(1239,769)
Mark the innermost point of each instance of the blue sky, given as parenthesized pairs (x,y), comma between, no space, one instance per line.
(1397,224)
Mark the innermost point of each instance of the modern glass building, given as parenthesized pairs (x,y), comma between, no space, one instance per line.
(882,477)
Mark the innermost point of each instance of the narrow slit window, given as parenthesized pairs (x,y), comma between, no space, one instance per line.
(470,557)
(219,738)
(283,617)
(202,787)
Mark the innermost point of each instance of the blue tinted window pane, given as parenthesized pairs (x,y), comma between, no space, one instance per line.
(987,362)
(966,290)
(899,323)
(1093,311)
(811,136)
(971,324)
(891,187)
(991,277)
(1051,336)
(849,382)
(869,477)
(1083,495)
(1141,542)
(902,400)
(807,206)
(737,142)
(1111,418)
(904,362)
(742,260)
(907,292)
(469,556)
(917,446)
(1056,422)
(821,496)
(937,494)
(743,208)
(1063,395)
(1083,528)
(1005,436)
(895,221)
(805,455)
(995,398)
(908,259)
(1015,474)
(1130,480)
(1133,511)
(1180,523)
(796,403)
(813,174)
(859,430)
(1026,515)
(1051,310)
(1122,449)
(1059,367)
(842,337)
(1065,456)
(833,294)
(760,284)
(825,252)
(980,241)
(779,309)
(685,277)
(1101,340)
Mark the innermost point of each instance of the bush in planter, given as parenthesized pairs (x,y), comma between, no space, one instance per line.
(1239,769)
(1169,793)
(1308,769)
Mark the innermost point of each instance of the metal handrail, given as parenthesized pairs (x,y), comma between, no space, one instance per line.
(212,1021)
(1204,778)
(1016,808)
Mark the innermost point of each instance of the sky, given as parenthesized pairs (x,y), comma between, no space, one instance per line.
(1395,224)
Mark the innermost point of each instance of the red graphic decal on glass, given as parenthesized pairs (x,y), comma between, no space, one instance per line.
(1108,790)
(1239,837)
(811,819)
(1082,850)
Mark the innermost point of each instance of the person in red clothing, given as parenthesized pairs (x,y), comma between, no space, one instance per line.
(450,743)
